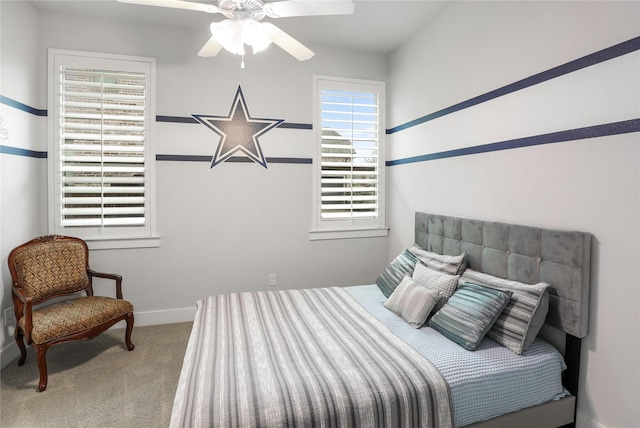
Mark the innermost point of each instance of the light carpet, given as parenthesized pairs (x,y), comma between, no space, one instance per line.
(97,382)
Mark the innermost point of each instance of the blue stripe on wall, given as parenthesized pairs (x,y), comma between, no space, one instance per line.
(18,105)
(586,61)
(184,158)
(176,119)
(8,150)
(615,128)
(182,119)
(197,158)
(300,161)
(291,125)
(615,51)
(575,134)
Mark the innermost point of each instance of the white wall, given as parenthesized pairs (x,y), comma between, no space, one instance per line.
(592,185)
(224,229)
(22,178)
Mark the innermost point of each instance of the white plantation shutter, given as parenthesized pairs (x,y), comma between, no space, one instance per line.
(349,155)
(101,159)
(350,159)
(102,148)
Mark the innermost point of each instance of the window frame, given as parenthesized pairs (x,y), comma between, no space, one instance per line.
(100,237)
(351,228)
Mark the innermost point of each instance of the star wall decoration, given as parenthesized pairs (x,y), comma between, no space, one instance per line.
(238,131)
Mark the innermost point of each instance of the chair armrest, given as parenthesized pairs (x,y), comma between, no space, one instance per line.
(117,278)
(26,308)
(20,294)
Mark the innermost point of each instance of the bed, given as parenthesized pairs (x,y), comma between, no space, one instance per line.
(338,357)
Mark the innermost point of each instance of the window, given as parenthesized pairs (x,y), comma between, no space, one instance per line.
(349,160)
(101,163)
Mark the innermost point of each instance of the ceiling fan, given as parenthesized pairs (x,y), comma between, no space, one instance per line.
(243,25)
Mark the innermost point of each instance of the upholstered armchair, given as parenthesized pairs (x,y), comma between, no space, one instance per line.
(58,266)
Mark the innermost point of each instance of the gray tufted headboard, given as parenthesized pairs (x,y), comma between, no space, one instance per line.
(520,253)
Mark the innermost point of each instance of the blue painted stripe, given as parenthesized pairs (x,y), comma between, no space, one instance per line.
(18,105)
(169,119)
(183,119)
(179,158)
(176,119)
(615,51)
(623,127)
(291,125)
(298,161)
(197,158)
(580,63)
(615,128)
(8,150)
(184,158)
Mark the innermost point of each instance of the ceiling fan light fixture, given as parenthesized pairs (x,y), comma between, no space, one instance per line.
(227,34)
(254,35)
(243,24)
(234,34)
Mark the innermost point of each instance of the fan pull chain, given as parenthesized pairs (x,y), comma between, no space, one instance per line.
(242,63)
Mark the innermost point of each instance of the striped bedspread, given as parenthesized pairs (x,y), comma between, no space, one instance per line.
(303,358)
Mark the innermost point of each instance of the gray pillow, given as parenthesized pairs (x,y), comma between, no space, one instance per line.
(412,302)
(389,279)
(521,320)
(469,314)
(445,285)
(452,265)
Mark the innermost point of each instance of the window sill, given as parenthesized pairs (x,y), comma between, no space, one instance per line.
(123,243)
(377,232)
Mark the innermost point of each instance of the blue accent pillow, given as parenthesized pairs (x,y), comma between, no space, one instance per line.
(469,314)
(523,317)
(393,274)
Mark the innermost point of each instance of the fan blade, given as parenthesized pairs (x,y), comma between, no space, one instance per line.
(176,4)
(286,42)
(285,8)
(211,48)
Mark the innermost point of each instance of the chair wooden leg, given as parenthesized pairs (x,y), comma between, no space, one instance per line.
(41,352)
(17,334)
(127,337)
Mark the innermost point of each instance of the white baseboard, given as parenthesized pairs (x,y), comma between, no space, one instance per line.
(9,353)
(170,316)
(584,420)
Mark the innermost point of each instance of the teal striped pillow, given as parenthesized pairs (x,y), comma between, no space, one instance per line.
(393,274)
(523,317)
(469,314)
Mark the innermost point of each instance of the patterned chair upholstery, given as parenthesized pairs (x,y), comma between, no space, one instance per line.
(57,266)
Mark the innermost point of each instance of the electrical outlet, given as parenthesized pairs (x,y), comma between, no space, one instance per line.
(272,279)
(9,317)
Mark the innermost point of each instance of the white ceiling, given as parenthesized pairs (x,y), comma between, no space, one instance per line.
(377,26)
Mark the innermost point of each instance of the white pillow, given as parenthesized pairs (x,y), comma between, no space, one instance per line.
(412,302)
(445,285)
